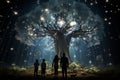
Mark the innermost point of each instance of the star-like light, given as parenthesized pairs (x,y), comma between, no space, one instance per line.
(105,19)
(73,23)
(106,0)
(42,18)
(61,23)
(47,10)
(8,1)
(11,49)
(15,12)
(109,23)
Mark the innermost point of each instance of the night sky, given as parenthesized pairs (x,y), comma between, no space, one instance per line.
(13,51)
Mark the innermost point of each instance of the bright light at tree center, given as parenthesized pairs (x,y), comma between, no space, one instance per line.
(73,23)
(61,23)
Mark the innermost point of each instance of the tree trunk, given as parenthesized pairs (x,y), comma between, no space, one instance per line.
(62,45)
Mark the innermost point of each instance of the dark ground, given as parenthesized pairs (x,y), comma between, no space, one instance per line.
(107,74)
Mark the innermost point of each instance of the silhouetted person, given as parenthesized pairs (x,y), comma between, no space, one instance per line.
(36,64)
(55,64)
(64,64)
(43,68)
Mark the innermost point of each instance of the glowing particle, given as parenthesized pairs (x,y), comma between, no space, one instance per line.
(13,64)
(96,2)
(46,10)
(61,23)
(30,53)
(110,64)
(74,56)
(1,15)
(109,17)
(106,0)
(111,11)
(15,12)
(90,61)
(91,4)
(106,11)
(118,9)
(105,19)
(85,0)
(8,1)
(30,33)
(11,49)
(109,23)
(73,23)
(42,18)
(84,38)
(109,54)
(25,61)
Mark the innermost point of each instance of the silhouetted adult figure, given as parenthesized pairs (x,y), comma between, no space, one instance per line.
(36,64)
(43,68)
(64,64)
(55,64)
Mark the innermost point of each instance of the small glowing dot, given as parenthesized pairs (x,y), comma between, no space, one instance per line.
(46,10)
(73,23)
(11,49)
(109,54)
(105,6)
(105,19)
(42,18)
(96,2)
(25,61)
(109,23)
(106,0)
(111,11)
(91,4)
(8,1)
(15,13)
(84,38)
(116,5)
(74,56)
(106,11)
(90,61)
(118,9)
(1,15)
(110,64)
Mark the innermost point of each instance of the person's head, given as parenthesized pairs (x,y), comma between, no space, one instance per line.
(56,56)
(36,60)
(43,60)
(63,54)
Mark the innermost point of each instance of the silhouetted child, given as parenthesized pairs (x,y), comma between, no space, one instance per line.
(43,68)
(36,64)
(64,64)
(55,64)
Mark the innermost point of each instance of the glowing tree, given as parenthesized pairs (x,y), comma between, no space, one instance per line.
(62,20)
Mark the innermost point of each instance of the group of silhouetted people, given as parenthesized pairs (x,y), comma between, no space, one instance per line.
(43,68)
(63,63)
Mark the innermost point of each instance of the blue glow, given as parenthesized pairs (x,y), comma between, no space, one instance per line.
(67,26)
